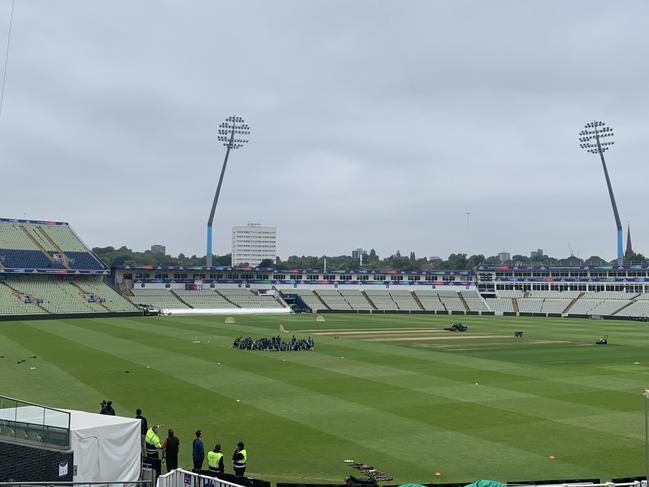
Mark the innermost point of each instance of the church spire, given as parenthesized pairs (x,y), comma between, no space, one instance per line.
(629,248)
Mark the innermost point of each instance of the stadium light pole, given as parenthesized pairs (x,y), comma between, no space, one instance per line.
(230,133)
(645,394)
(596,139)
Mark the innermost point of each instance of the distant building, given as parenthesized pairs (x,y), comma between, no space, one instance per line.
(536,254)
(159,249)
(253,243)
(356,254)
(504,257)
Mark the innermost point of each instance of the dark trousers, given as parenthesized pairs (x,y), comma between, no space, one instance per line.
(239,471)
(172,463)
(198,463)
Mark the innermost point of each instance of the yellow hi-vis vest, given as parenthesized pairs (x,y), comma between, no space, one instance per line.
(152,441)
(213,459)
(242,463)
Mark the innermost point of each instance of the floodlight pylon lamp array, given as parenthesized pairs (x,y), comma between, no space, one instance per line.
(595,138)
(232,132)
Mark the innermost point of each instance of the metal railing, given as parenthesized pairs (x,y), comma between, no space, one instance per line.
(28,422)
(140,483)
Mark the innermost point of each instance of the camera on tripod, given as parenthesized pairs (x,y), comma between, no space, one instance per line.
(107,408)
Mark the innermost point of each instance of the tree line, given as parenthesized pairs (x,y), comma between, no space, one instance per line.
(371,260)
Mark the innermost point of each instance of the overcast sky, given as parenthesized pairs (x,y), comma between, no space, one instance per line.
(375,123)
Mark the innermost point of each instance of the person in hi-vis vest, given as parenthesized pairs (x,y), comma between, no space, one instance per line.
(152,442)
(215,460)
(239,459)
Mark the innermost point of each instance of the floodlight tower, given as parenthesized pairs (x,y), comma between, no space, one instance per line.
(596,139)
(230,133)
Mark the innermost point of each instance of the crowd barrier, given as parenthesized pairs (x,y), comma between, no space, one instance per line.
(184,478)
(224,311)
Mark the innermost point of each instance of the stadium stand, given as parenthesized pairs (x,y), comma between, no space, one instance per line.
(43,245)
(333,299)
(529,305)
(12,302)
(451,300)
(310,299)
(500,305)
(58,296)
(381,299)
(159,298)
(554,305)
(204,298)
(356,299)
(429,300)
(245,298)
(638,308)
(404,300)
(474,301)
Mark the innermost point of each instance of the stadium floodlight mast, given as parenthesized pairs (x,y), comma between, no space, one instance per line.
(596,139)
(231,133)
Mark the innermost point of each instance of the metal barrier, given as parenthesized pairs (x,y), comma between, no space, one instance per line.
(27,422)
(184,478)
(140,483)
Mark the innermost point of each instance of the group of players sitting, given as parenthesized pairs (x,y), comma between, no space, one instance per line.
(274,344)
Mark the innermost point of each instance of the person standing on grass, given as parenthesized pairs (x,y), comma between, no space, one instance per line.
(239,459)
(171,448)
(198,452)
(144,427)
(215,460)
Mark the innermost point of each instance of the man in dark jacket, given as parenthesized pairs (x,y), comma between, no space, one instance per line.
(171,448)
(144,426)
(240,459)
(198,452)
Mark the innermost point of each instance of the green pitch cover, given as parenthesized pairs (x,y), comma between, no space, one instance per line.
(486,483)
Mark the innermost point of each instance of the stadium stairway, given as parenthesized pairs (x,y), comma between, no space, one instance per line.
(625,306)
(369,300)
(418,301)
(226,298)
(181,299)
(464,303)
(572,303)
(85,296)
(18,295)
(38,244)
(315,293)
(48,239)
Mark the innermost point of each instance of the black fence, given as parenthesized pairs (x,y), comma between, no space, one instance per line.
(27,463)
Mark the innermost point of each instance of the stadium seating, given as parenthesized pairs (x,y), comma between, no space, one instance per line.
(356,299)
(554,305)
(474,301)
(638,308)
(584,306)
(159,298)
(404,300)
(381,299)
(529,305)
(499,306)
(429,300)
(514,293)
(333,299)
(14,303)
(206,298)
(245,298)
(309,298)
(59,296)
(43,246)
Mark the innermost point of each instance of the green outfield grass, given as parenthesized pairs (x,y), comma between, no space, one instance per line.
(389,390)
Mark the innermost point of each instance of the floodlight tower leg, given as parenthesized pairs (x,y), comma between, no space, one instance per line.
(618,224)
(214,202)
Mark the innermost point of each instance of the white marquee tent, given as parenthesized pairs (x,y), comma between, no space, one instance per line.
(106,448)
